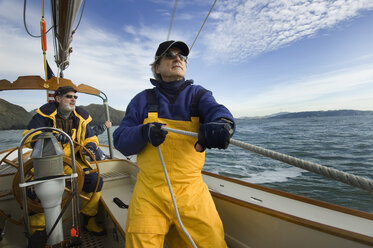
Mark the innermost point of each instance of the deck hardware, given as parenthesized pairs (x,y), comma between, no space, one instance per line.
(256,199)
(47,149)
(119,203)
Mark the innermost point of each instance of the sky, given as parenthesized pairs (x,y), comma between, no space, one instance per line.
(258,57)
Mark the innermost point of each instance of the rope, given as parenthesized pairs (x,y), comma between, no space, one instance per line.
(25,25)
(202,25)
(344,177)
(173,198)
(172,20)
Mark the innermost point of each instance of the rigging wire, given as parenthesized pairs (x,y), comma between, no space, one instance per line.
(202,25)
(172,20)
(80,18)
(24,23)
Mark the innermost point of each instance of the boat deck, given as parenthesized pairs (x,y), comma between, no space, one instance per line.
(120,185)
(250,214)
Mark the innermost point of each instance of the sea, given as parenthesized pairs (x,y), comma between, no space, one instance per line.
(344,143)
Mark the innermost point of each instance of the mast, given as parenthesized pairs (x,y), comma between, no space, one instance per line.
(64,13)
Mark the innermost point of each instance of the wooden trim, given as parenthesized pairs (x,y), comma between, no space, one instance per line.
(11,163)
(117,225)
(5,193)
(37,83)
(299,221)
(9,149)
(322,204)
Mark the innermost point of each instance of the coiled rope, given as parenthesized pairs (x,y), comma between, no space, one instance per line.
(344,177)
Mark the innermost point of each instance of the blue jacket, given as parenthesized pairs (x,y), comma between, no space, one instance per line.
(82,132)
(128,137)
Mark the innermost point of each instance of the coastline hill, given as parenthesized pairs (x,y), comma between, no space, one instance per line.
(13,116)
(309,114)
(16,117)
(97,111)
(329,113)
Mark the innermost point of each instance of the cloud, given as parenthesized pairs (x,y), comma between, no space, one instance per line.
(246,28)
(348,88)
(104,60)
(117,63)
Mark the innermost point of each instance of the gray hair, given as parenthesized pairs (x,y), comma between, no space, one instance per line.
(157,76)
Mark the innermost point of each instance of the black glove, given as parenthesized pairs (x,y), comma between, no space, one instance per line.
(61,138)
(91,149)
(153,133)
(215,135)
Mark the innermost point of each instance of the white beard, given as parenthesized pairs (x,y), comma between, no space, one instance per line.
(65,110)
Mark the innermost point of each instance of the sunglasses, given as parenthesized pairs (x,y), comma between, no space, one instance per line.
(172,55)
(70,96)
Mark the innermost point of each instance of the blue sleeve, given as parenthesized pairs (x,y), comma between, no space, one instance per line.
(128,137)
(36,122)
(39,121)
(99,129)
(210,110)
(89,135)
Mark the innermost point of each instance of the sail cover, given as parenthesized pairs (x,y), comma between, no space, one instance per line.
(64,14)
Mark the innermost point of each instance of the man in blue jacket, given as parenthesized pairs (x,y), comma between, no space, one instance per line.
(179,104)
(65,115)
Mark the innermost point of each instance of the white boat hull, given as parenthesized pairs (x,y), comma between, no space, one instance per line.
(252,215)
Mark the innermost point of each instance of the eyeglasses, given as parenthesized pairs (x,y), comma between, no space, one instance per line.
(172,55)
(71,96)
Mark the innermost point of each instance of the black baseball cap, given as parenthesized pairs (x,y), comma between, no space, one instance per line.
(63,90)
(164,46)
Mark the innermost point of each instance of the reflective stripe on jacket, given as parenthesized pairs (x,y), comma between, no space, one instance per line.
(81,133)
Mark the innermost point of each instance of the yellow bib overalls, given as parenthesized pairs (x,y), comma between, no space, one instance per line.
(151,214)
